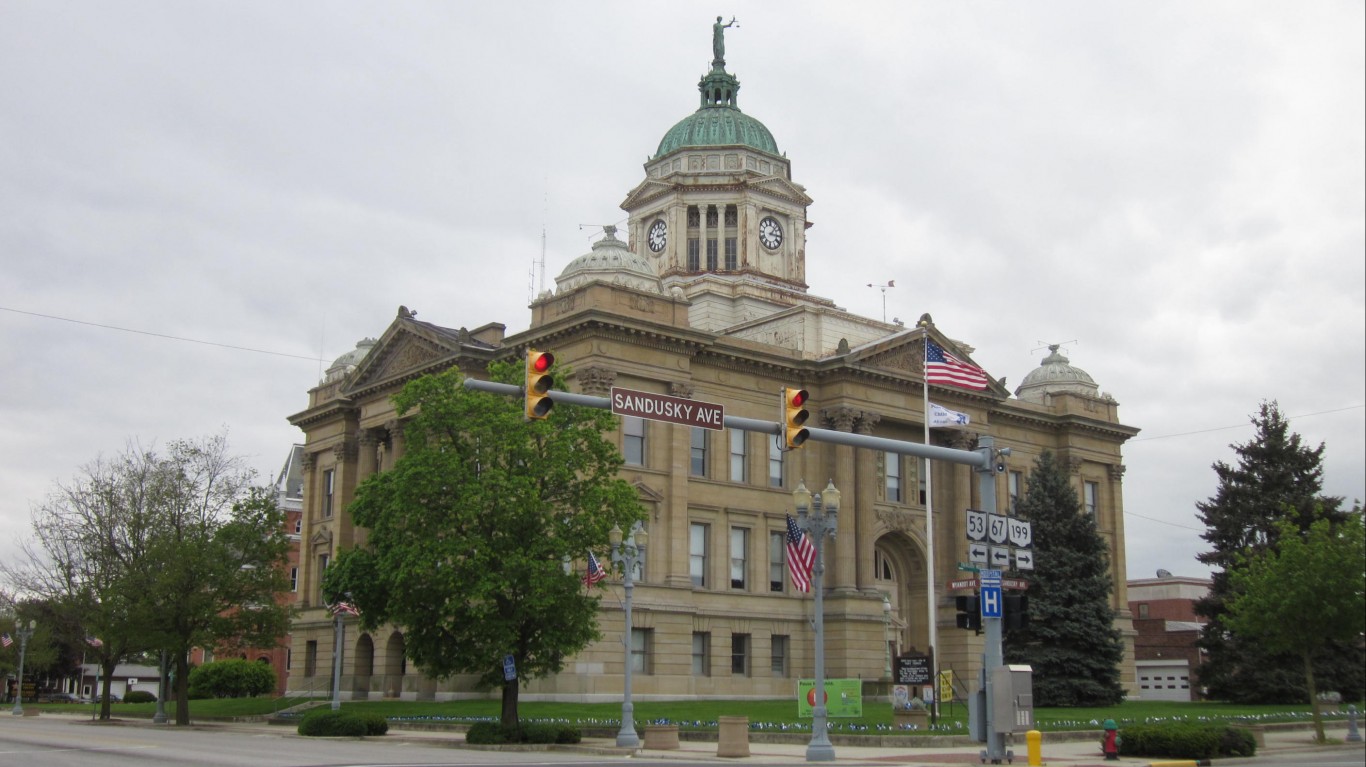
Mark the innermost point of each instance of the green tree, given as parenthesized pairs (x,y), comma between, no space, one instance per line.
(471,531)
(1277,479)
(159,550)
(1304,594)
(1071,640)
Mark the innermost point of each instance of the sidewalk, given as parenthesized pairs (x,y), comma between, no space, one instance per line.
(1062,749)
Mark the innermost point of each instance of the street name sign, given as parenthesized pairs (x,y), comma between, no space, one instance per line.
(662,407)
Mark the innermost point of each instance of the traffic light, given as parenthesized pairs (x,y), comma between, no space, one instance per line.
(969,612)
(538,384)
(794,415)
(1015,611)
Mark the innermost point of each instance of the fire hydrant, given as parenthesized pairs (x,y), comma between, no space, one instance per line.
(1111,742)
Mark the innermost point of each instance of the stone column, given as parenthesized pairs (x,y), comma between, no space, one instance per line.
(395,429)
(311,512)
(843,569)
(1116,512)
(368,445)
(865,495)
(677,453)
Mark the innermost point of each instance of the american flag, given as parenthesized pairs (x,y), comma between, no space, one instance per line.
(801,555)
(94,641)
(345,608)
(594,573)
(944,368)
(6,640)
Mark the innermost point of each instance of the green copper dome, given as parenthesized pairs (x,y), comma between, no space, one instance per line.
(718,121)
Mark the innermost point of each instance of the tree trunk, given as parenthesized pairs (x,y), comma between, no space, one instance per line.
(182,689)
(1313,697)
(103,694)
(509,717)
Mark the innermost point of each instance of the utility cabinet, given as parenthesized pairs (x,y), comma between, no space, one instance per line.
(1012,698)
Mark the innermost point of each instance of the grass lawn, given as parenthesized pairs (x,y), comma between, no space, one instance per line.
(702,714)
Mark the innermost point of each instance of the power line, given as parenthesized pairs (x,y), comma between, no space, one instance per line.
(163,335)
(1242,425)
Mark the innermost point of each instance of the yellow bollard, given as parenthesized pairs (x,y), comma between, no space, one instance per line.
(1034,742)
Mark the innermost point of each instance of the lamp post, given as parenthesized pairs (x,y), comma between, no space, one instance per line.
(817,519)
(628,555)
(160,716)
(886,635)
(24,634)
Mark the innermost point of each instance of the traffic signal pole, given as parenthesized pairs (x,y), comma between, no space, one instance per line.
(992,654)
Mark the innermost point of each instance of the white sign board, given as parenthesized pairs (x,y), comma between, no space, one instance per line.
(1021,533)
(998,528)
(977,525)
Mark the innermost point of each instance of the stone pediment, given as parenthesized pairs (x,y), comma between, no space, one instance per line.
(408,347)
(646,190)
(781,187)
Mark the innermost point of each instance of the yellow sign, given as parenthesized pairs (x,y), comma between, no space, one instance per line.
(946,685)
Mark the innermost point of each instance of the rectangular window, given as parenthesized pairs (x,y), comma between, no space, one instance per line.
(731,261)
(289,658)
(739,654)
(1091,496)
(323,559)
(1013,488)
(921,469)
(778,659)
(739,469)
(694,254)
(711,254)
(701,653)
(697,553)
(739,558)
(777,561)
(892,461)
(633,440)
(1143,610)
(293,579)
(299,524)
(775,463)
(329,484)
(698,465)
(311,658)
(641,641)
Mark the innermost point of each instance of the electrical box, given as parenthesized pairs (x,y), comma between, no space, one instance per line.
(1012,698)
(977,715)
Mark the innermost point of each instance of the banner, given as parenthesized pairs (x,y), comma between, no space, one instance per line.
(843,697)
(941,417)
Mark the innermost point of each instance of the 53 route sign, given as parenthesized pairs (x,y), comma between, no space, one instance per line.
(993,538)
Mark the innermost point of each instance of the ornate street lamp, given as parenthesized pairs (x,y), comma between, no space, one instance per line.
(628,555)
(160,716)
(817,516)
(24,634)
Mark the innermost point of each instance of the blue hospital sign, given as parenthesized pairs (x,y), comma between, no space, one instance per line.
(991,593)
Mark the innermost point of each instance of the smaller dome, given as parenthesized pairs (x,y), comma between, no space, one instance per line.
(348,362)
(610,261)
(1054,374)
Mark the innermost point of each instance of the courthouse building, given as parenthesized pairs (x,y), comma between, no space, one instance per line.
(704,296)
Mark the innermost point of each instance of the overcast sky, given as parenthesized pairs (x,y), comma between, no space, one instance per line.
(1175,189)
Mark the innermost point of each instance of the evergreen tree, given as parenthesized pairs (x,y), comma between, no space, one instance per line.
(1071,640)
(1277,479)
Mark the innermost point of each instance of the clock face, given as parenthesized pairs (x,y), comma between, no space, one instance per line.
(770,233)
(659,235)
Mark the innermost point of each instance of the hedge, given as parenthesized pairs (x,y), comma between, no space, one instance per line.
(231,679)
(494,733)
(1186,740)
(329,723)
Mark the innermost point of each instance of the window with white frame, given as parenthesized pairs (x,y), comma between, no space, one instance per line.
(775,463)
(739,456)
(701,653)
(739,557)
(641,642)
(633,440)
(778,658)
(698,452)
(777,560)
(329,485)
(697,553)
(892,465)
(1091,497)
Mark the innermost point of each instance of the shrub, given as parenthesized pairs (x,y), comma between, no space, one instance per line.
(231,679)
(494,733)
(1186,740)
(329,723)
(139,696)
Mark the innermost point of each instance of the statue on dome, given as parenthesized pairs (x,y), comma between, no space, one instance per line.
(718,40)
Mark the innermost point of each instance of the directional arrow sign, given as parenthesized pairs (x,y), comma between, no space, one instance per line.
(977,553)
(997,529)
(1024,559)
(1000,556)
(1021,533)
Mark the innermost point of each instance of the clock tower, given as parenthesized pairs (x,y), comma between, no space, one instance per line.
(718,214)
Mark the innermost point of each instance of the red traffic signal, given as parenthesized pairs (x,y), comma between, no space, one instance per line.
(538,384)
(795,415)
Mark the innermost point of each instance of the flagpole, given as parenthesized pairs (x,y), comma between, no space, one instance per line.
(933,612)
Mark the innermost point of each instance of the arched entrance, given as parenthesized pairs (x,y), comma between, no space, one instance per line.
(394,665)
(364,655)
(899,572)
